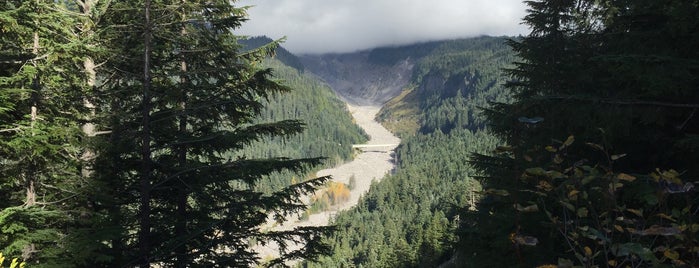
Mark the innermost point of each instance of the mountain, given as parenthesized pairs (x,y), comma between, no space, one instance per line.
(422,85)
(432,94)
(329,127)
(281,54)
(357,79)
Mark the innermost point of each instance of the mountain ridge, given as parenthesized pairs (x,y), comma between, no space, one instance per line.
(410,218)
(357,80)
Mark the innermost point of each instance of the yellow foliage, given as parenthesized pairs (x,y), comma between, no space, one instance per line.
(13,264)
(671,254)
(338,192)
(334,193)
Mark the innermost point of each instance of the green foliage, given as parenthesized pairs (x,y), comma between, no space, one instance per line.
(171,184)
(280,53)
(612,218)
(410,218)
(329,129)
(123,135)
(618,75)
(602,217)
(41,91)
(450,86)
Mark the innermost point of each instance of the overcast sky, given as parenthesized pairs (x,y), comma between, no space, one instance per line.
(319,26)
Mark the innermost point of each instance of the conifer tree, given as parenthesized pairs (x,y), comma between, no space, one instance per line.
(40,140)
(617,76)
(178,98)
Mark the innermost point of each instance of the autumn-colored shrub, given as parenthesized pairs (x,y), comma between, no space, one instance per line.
(605,217)
(334,193)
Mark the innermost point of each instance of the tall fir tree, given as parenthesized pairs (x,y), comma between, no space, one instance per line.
(40,139)
(618,76)
(178,97)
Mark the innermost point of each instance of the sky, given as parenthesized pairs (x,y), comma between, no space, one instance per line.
(322,26)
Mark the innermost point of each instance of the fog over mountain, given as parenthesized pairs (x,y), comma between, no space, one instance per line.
(316,26)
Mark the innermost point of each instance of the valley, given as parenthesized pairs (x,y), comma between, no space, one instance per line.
(149,133)
(368,166)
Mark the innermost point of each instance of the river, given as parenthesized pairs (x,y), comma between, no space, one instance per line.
(369,165)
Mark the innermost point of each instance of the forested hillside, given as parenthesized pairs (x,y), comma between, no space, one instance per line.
(281,54)
(125,134)
(330,131)
(411,218)
(595,166)
(141,133)
(449,85)
(598,163)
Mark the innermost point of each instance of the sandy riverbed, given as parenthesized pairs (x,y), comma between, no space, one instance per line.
(372,164)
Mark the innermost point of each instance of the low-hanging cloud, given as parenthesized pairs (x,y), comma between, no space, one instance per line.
(320,26)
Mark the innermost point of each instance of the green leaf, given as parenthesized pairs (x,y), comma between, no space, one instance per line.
(628,249)
(650,198)
(565,263)
(587,179)
(567,205)
(582,212)
(569,141)
(536,171)
(553,174)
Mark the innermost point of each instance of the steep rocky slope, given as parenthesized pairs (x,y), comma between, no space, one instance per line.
(409,219)
(357,79)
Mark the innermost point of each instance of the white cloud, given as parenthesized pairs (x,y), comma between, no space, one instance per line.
(318,26)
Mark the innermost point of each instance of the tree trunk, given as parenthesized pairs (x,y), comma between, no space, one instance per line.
(30,176)
(146,165)
(89,128)
(181,224)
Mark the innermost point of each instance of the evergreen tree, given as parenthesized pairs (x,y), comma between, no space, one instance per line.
(40,139)
(178,97)
(618,76)
(409,218)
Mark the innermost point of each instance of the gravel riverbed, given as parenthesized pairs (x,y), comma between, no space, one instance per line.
(371,164)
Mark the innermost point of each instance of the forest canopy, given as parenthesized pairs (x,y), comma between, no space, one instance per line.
(144,132)
(126,130)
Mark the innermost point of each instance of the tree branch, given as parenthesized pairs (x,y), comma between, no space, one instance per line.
(623,102)
(10,130)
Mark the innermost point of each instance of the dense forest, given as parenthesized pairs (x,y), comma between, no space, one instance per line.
(411,218)
(598,161)
(140,132)
(136,133)
(578,140)
(330,131)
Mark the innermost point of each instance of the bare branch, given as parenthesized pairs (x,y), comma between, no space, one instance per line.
(10,130)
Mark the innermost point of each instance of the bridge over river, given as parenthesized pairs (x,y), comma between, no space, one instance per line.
(387,147)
